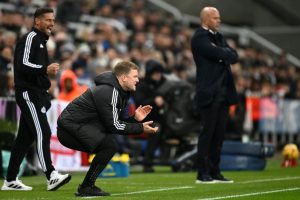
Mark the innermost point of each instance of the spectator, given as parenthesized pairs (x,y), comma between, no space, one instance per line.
(147,94)
(69,86)
(6,58)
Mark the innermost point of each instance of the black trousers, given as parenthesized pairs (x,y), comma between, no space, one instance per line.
(214,120)
(104,152)
(33,126)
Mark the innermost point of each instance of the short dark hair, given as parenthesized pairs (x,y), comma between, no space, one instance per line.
(124,68)
(41,11)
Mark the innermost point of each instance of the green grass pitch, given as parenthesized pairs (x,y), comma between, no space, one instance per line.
(272,183)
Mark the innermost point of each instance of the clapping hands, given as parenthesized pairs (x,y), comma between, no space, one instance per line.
(141,112)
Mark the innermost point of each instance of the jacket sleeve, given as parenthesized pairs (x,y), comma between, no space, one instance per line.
(202,45)
(130,119)
(106,100)
(28,56)
(234,58)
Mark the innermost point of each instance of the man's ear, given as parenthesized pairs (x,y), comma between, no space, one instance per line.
(36,21)
(123,78)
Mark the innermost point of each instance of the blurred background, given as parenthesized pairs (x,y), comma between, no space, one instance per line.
(91,36)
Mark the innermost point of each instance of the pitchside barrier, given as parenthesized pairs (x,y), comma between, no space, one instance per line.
(275,121)
(235,155)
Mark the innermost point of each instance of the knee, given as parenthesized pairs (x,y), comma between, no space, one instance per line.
(62,136)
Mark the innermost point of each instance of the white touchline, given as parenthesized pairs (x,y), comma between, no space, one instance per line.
(251,194)
(271,179)
(223,197)
(154,190)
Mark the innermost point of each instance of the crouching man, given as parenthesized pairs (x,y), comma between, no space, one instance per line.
(88,122)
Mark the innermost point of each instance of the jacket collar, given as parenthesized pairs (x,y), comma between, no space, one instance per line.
(211,31)
(42,34)
(109,78)
(121,91)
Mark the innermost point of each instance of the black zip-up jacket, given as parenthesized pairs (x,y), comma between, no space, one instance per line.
(97,112)
(31,61)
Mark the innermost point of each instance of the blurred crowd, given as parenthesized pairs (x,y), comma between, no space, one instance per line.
(86,48)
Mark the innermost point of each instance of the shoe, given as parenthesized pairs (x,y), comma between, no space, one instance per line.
(219,178)
(15,185)
(205,179)
(90,191)
(57,180)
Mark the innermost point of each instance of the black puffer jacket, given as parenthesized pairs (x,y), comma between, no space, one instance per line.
(97,112)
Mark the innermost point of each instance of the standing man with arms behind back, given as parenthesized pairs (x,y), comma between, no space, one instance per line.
(215,92)
(31,70)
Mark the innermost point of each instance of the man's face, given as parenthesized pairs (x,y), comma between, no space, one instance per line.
(45,23)
(130,80)
(156,76)
(68,84)
(214,20)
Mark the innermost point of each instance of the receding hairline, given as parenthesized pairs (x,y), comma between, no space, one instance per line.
(41,11)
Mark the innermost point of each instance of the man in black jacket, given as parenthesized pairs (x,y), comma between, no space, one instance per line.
(88,122)
(215,92)
(31,70)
